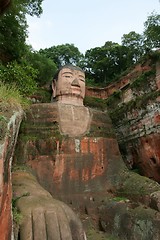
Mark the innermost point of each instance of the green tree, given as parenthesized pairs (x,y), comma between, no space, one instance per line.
(21,75)
(13,32)
(31,7)
(135,44)
(63,54)
(13,28)
(152,31)
(45,66)
(105,63)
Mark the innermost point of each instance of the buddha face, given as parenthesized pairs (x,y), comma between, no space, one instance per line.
(70,86)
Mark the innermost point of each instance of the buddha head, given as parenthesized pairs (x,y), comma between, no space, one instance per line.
(69,85)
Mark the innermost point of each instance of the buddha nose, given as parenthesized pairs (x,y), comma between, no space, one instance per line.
(75,83)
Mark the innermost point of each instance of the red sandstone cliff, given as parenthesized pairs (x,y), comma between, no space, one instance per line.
(136,116)
(9,132)
(137,123)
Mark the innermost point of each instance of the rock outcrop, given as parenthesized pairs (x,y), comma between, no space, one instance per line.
(137,125)
(9,129)
(134,105)
(121,84)
(139,140)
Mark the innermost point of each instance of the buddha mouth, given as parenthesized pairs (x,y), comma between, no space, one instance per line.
(76,89)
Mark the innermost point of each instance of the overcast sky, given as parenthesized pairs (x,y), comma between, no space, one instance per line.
(88,23)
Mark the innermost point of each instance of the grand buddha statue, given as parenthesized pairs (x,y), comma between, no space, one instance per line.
(73,153)
(69,91)
(43,216)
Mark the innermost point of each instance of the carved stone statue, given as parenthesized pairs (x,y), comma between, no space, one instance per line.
(73,152)
(69,91)
(69,85)
(43,216)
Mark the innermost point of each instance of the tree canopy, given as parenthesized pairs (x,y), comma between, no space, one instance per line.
(152,31)
(13,28)
(134,42)
(13,48)
(45,66)
(63,54)
(103,64)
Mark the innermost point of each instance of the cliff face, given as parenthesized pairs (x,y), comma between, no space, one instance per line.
(139,139)
(123,83)
(10,122)
(134,106)
(137,125)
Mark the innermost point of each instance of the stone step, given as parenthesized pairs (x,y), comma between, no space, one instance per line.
(46,128)
(45,107)
(42,120)
(41,113)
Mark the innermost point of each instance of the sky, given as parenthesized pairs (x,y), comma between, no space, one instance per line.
(88,23)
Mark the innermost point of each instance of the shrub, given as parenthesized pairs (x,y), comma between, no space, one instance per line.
(23,76)
(94,102)
(10,95)
(143,80)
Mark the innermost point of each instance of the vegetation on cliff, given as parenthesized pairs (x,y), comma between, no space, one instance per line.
(31,69)
(118,113)
(142,85)
(11,100)
(10,97)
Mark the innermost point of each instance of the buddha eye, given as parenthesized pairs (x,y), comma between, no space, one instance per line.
(67,76)
(82,79)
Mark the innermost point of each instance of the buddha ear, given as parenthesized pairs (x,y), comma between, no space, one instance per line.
(54,88)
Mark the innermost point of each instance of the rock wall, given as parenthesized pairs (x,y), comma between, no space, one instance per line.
(139,140)
(138,129)
(121,84)
(7,146)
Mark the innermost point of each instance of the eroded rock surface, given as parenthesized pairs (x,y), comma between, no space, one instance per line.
(42,216)
(139,139)
(88,173)
(9,132)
